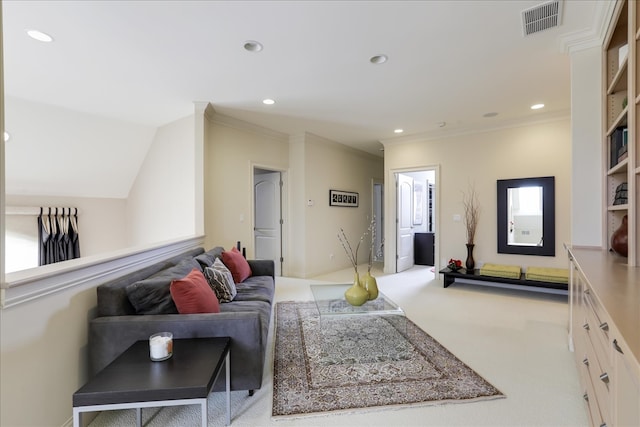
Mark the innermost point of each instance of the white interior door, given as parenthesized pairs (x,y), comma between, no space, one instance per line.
(268,225)
(404,221)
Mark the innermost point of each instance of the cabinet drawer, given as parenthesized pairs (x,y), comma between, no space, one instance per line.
(597,330)
(600,382)
(598,314)
(589,396)
(592,396)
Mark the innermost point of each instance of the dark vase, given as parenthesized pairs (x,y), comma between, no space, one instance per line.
(620,239)
(470,263)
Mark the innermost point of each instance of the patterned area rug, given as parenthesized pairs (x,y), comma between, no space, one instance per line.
(350,363)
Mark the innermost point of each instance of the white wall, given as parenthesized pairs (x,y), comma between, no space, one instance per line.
(101,224)
(233,148)
(71,153)
(329,165)
(481,159)
(44,357)
(44,340)
(297,264)
(312,167)
(162,202)
(586,163)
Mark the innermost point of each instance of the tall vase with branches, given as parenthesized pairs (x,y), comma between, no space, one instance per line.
(368,281)
(356,294)
(471,204)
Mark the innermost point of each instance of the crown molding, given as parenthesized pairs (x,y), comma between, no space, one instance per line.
(453,133)
(312,138)
(586,39)
(232,122)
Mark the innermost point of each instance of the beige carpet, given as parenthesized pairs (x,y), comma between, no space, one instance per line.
(358,363)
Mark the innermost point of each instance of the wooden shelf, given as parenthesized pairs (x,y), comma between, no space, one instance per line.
(619,82)
(621,86)
(618,207)
(620,120)
(621,167)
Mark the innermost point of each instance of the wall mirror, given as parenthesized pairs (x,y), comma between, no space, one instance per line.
(526,216)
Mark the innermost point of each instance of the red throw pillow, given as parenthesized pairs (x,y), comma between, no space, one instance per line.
(236,263)
(192,294)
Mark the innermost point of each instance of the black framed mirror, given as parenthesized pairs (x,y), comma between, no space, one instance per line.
(526,216)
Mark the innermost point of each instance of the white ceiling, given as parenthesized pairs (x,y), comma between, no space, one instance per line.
(143,63)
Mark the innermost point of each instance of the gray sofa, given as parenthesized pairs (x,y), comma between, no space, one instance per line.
(245,319)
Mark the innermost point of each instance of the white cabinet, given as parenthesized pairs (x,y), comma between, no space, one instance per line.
(626,392)
(605,316)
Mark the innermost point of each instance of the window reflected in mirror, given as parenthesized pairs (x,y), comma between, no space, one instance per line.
(524,210)
(526,216)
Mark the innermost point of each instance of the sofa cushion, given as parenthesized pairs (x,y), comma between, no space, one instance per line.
(256,288)
(206,259)
(192,294)
(219,278)
(152,295)
(237,264)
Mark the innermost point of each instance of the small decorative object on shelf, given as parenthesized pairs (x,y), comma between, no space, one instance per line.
(160,346)
(471,214)
(454,264)
(620,239)
(621,195)
(618,145)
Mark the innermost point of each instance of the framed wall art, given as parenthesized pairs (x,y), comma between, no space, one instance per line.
(346,199)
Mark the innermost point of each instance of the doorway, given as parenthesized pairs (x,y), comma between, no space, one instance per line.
(415,218)
(267,206)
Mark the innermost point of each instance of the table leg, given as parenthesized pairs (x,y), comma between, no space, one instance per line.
(139,417)
(205,416)
(227,368)
(448,280)
(77,417)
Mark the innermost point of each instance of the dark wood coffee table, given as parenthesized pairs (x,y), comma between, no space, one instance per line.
(132,380)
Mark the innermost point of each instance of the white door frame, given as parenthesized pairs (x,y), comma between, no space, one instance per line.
(284,203)
(391,209)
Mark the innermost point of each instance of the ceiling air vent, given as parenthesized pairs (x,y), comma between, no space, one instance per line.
(542,17)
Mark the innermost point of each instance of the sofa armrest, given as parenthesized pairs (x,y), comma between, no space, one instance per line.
(111,336)
(262,267)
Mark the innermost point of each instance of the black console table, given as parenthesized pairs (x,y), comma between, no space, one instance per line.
(451,276)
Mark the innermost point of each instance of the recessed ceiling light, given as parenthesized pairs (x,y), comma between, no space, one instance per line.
(537,106)
(492,114)
(6,136)
(378,59)
(442,124)
(252,46)
(40,36)
(268,101)
(398,130)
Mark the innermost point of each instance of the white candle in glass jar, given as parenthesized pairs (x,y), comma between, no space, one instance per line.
(160,346)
